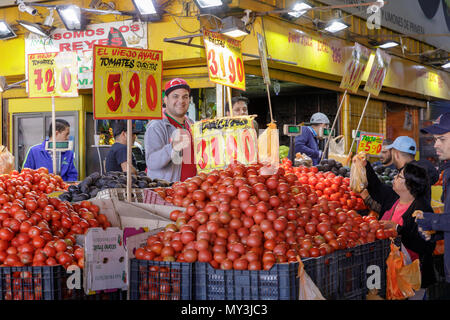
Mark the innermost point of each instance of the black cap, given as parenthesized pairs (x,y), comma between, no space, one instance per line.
(441,126)
(121,125)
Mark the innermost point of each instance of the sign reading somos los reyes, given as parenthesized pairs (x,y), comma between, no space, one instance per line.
(121,33)
(127,83)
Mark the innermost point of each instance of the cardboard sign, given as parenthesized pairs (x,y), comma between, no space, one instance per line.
(124,33)
(378,72)
(52,75)
(370,143)
(127,83)
(105,260)
(220,142)
(224,56)
(263,58)
(355,67)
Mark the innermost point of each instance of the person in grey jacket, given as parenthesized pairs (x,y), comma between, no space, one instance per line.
(169,151)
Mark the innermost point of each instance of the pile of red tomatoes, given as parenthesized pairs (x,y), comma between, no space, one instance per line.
(36,230)
(239,219)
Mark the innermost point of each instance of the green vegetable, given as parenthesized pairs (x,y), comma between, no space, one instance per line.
(283,152)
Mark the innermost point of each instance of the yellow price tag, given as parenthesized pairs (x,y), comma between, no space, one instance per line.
(370,144)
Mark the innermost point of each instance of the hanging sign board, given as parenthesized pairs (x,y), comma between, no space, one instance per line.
(370,143)
(124,33)
(220,142)
(378,72)
(225,64)
(263,58)
(127,83)
(354,68)
(52,75)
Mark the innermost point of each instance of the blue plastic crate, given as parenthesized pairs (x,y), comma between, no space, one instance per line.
(323,271)
(353,264)
(278,283)
(160,280)
(32,283)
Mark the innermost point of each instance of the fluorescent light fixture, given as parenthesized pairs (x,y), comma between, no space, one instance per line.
(388,44)
(208,3)
(335,26)
(446,66)
(299,9)
(147,10)
(35,28)
(72,17)
(6,32)
(233,27)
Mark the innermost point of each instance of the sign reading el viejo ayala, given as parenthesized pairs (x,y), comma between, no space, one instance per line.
(370,143)
(220,142)
(127,83)
(121,33)
(225,64)
(52,74)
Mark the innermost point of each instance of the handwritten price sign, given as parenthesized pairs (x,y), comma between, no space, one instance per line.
(52,75)
(378,72)
(225,64)
(370,143)
(127,83)
(355,67)
(220,142)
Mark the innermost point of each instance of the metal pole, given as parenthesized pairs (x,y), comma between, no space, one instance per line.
(359,124)
(229,100)
(334,123)
(270,102)
(54,134)
(129,146)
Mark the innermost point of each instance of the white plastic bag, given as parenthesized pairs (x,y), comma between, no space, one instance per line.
(6,161)
(307,289)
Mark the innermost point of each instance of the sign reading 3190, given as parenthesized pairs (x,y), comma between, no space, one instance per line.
(127,83)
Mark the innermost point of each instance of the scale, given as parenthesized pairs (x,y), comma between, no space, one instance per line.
(60,146)
(292,130)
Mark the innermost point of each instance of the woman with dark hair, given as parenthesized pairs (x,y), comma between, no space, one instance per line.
(410,185)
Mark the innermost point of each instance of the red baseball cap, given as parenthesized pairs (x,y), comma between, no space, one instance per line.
(176,83)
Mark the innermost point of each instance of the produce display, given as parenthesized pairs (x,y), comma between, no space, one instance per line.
(334,166)
(94,183)
(36,230)
(386,175)
(283,152)
(239,219)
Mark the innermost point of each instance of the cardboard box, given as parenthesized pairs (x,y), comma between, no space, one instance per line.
(107,208)
(160,210)
(105,260)
(132,216)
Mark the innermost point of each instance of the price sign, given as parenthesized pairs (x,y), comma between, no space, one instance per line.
(263,58)
(127,83)
(219,142)
(355,67)
(370,143)
(378,72)
(224,56)
(52,75)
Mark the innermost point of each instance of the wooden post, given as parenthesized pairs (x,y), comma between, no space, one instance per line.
(129,157)
(229,100)
(357,129)
(54,134)
(334,123)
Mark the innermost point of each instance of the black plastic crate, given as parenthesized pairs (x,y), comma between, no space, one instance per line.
(323,271)
(278,283)
(32,283)
(160,280)
(353,266)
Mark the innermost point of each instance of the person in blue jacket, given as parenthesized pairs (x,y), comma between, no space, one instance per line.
(441,222)
(38,157)
(307,142)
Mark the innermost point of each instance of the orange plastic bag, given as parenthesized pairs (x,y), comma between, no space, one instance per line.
(307,289)
(401,279)
(6,161)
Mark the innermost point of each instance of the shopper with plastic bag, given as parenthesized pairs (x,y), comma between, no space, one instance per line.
(397,212)
(440,222)
(307,142)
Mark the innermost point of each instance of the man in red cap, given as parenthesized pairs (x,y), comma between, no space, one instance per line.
(169,147)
